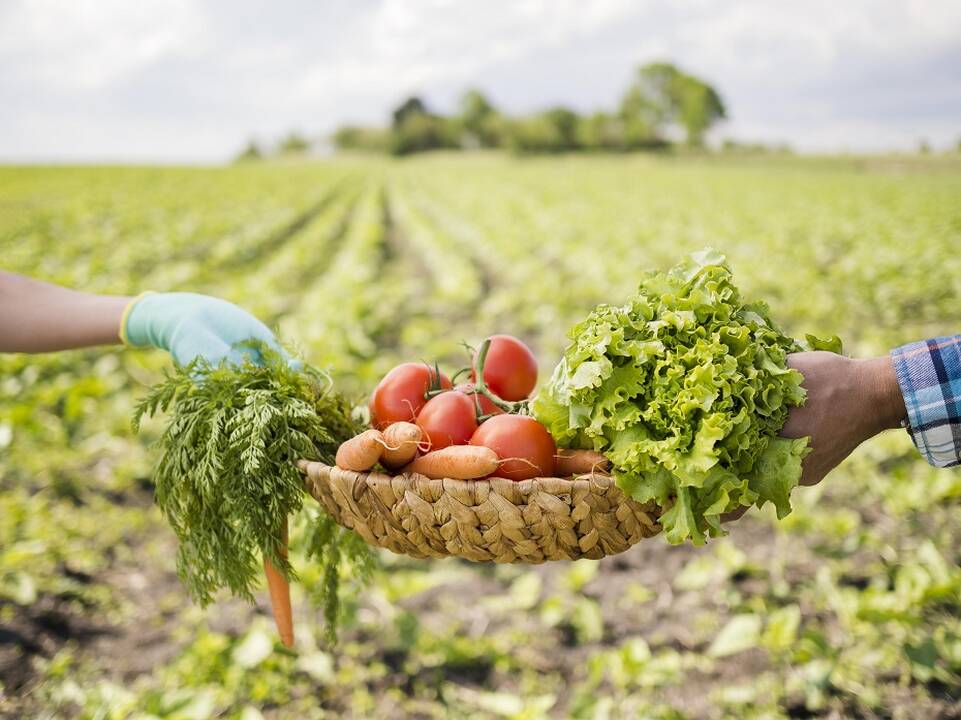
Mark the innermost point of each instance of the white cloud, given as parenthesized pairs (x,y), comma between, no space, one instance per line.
(180,79)
(89,44)
(405,47)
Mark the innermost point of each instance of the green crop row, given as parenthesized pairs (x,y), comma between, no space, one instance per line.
(848,608)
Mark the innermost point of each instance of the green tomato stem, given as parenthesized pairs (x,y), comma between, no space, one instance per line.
(480,385)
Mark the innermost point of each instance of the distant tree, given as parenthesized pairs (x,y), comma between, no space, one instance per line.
(294,144)
(700,107)
(534,134)
(474,108)
(600,131)
(641,117)
(662,96)
(552,131)
(924,147)
(411,107)
(494,131)
(565,124)
(367,139)
(415,129)
(650,99)
(420,132)
(481,124)
(250,153)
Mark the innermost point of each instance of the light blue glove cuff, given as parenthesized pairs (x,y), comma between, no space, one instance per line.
(188,325)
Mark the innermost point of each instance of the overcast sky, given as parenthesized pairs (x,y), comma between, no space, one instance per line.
(175,80)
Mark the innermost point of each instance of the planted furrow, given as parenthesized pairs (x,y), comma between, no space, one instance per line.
(295,266)
(402,279)
(335,318)
(275,240)
(511,257)
(453,276)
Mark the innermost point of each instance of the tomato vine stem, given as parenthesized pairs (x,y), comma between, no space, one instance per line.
(480,385)
(521,407)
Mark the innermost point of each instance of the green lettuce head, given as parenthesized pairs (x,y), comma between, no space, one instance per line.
(684,388)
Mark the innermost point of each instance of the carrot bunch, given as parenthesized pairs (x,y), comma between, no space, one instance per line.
(233,435)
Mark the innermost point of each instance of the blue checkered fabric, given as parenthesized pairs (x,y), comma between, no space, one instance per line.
(929,373)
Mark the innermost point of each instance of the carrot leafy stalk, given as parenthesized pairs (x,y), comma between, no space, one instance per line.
(340,554)
(227,478)
(279,590)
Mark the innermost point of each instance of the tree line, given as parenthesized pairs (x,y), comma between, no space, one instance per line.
(661,102)
(662,105)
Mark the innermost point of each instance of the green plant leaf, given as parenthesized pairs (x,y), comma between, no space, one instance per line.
(742,632)
(256,647)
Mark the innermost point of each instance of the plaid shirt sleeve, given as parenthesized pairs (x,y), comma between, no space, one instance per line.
(929,373)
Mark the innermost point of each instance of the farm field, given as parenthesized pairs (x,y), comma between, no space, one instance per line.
(850,607)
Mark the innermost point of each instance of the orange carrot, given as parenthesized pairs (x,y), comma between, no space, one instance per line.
(401,441)
(280,594)
(460,462)
(362,452)
(576,462)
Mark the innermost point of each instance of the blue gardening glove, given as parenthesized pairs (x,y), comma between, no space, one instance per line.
(188,325)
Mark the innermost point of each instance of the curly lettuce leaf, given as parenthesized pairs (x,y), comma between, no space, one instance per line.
(685,388)
(831,344)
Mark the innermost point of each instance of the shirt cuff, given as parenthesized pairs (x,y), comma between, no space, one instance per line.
(929,374)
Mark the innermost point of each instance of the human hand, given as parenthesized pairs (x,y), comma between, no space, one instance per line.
(848,401)
(189,325)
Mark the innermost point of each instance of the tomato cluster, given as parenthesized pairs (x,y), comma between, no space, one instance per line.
(480,412)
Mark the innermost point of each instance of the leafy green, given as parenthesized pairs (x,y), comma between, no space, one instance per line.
(684,388)
(339,552)
(226,477)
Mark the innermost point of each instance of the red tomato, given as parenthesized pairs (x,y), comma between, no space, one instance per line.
(510,368)
(448,419)
(487,407)
(400,395)
(521,437)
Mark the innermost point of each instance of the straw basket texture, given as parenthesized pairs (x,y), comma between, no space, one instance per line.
(484,520)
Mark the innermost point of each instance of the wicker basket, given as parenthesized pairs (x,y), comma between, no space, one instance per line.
(484,520)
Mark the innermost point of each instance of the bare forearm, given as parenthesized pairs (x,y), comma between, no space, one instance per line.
(40,317)
(885,403)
